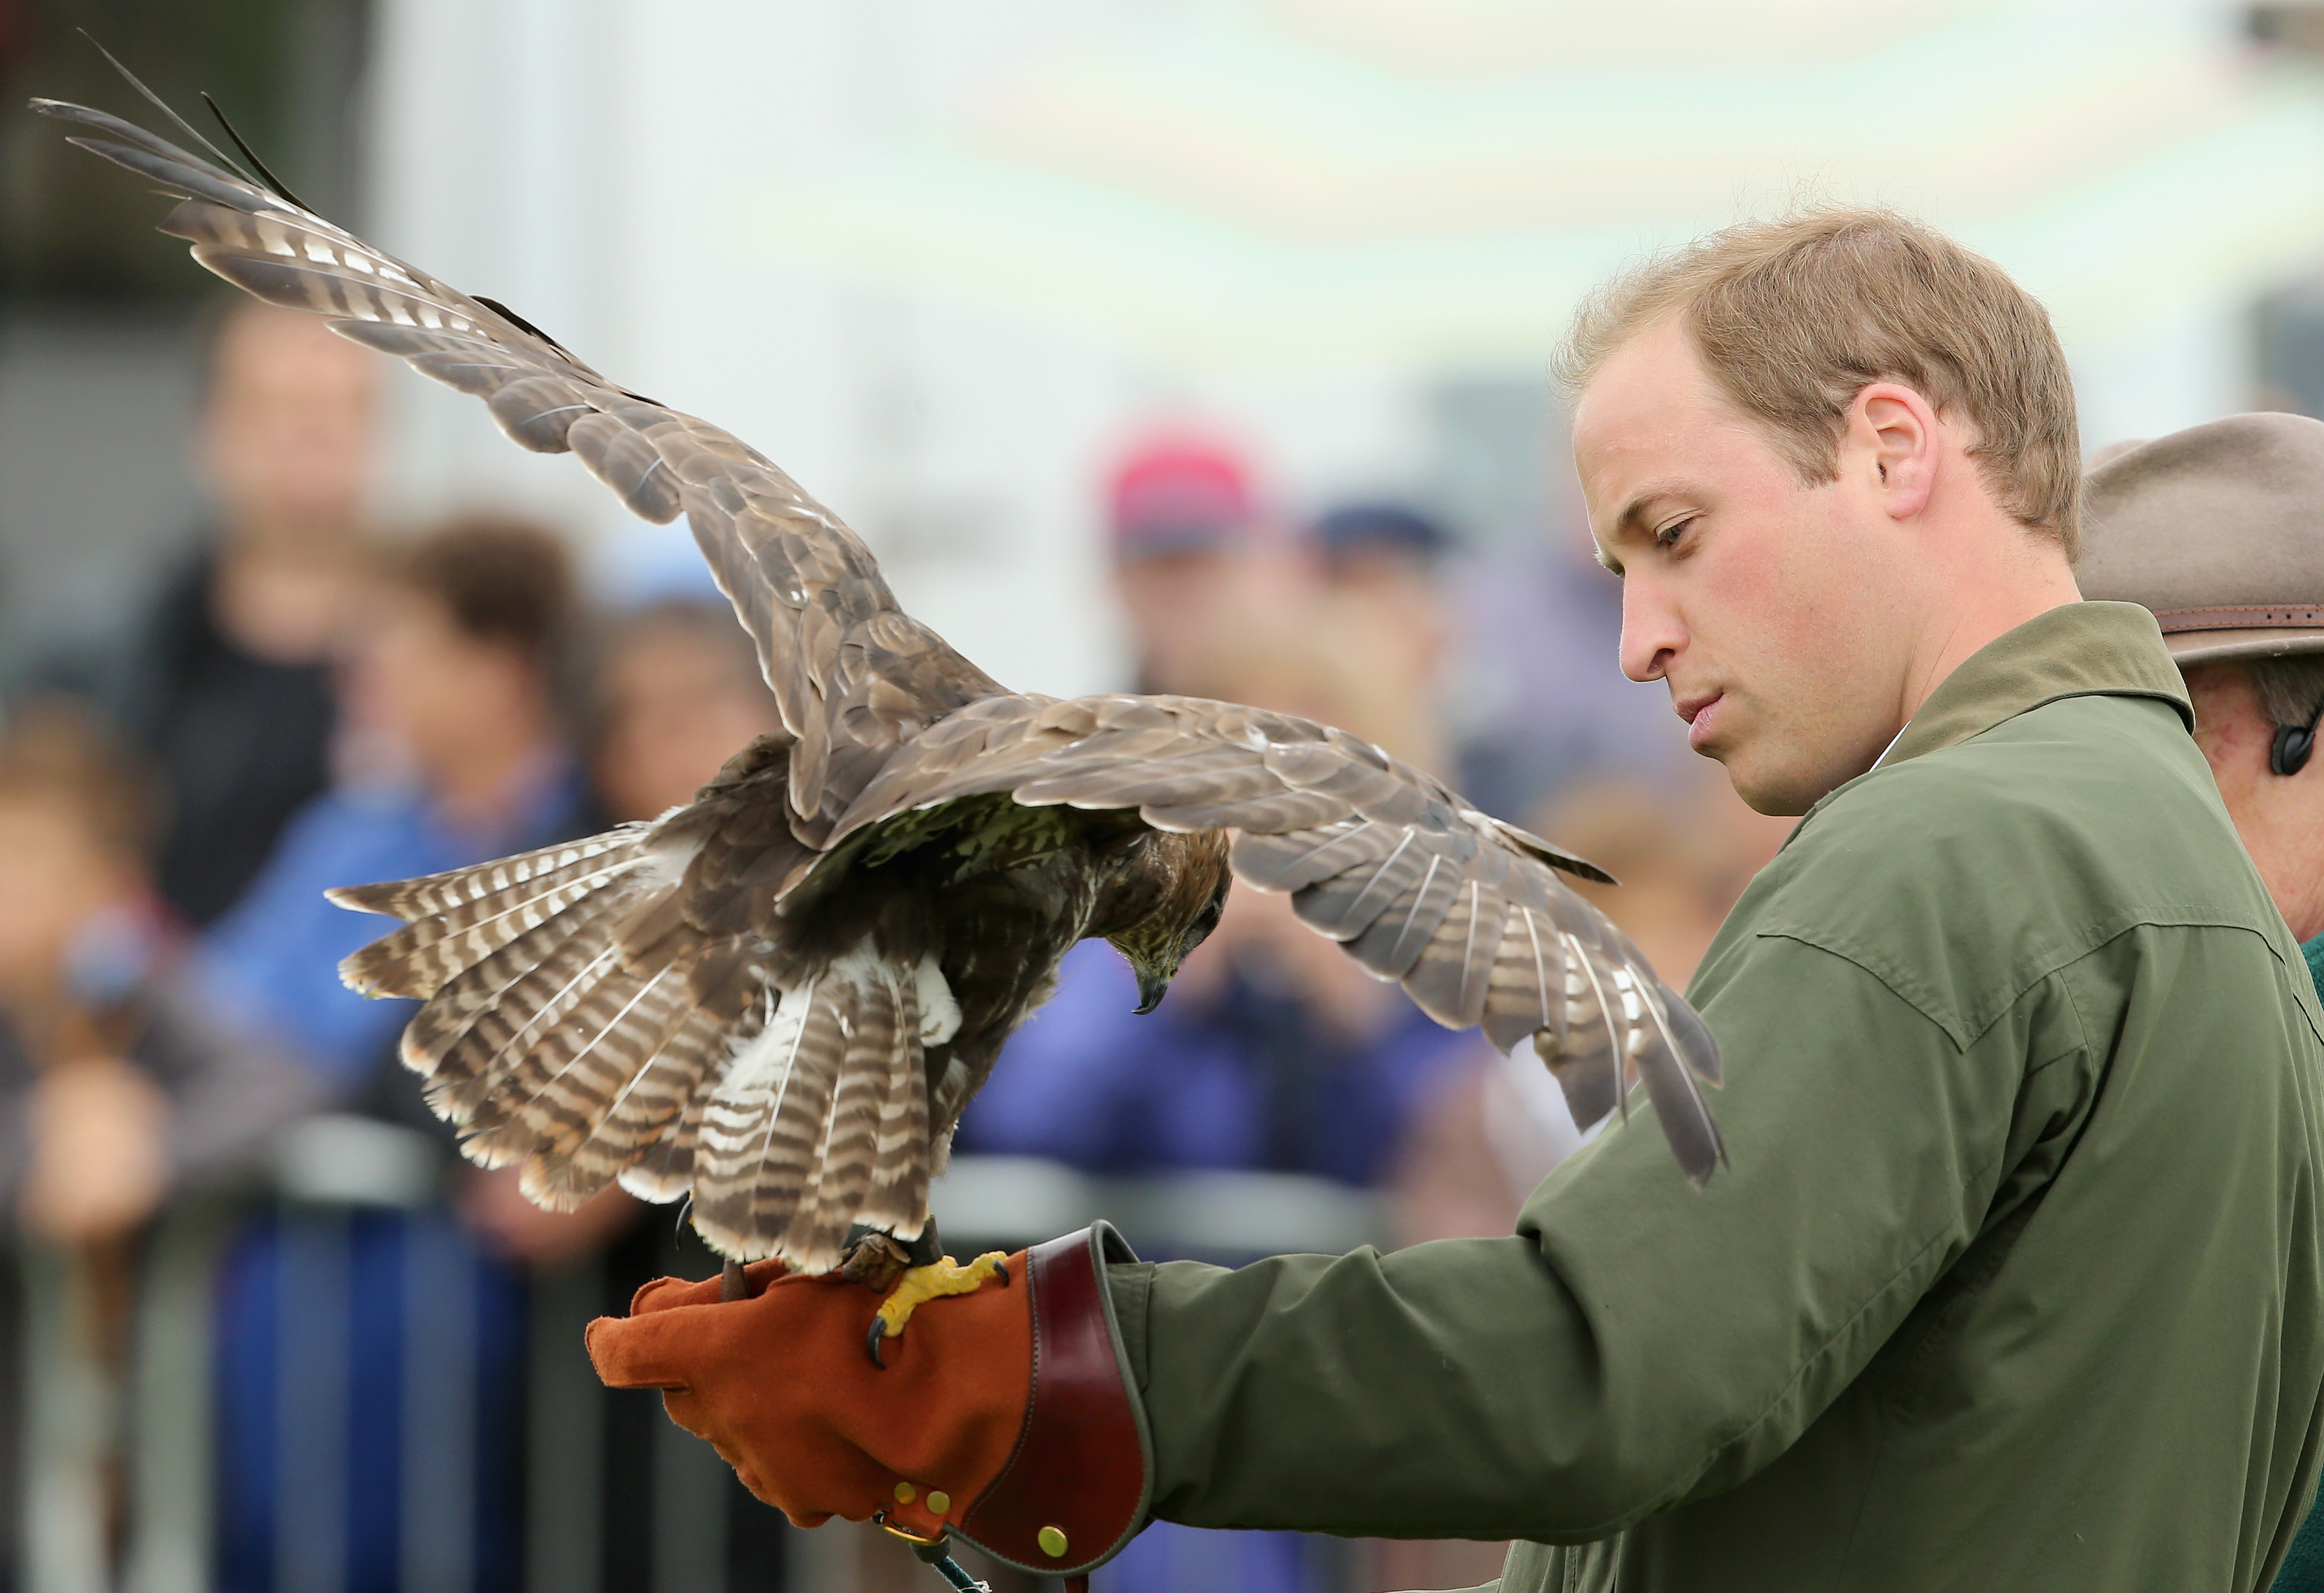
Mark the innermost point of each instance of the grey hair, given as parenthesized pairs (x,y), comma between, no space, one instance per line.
(2290,688)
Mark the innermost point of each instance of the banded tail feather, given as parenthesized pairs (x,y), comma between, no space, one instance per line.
(647,1109)
(505,990)
(791,1112)
(452,922)
(432,894)
(820,1120)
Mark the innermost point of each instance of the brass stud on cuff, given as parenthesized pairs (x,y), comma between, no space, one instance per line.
(1052,1539)
(939,1502)
(906,1493)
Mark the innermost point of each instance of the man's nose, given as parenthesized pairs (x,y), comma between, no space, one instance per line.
(1651,632)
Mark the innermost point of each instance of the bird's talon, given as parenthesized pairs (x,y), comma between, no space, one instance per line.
(920,1285)
(872,1343)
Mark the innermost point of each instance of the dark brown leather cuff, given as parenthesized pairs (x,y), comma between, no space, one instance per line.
(1074,1491)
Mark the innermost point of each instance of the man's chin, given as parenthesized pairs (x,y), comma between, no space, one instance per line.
(1777,792)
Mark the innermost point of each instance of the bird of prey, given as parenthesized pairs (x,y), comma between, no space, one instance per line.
(780,996)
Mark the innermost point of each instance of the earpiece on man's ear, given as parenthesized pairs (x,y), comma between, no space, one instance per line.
(2293,744)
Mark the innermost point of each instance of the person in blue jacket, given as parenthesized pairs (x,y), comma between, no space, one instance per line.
(349,1410)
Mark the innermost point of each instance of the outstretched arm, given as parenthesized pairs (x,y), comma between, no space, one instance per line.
(1638,1342)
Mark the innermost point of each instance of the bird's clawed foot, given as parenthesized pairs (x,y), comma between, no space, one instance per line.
(921,1285)
(879,1261)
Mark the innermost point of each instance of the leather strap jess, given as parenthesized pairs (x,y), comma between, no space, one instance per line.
(1074,1491)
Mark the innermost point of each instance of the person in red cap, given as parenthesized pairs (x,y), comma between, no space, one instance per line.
(1192,555)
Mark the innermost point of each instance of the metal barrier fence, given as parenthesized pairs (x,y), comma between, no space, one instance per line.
(116,1464)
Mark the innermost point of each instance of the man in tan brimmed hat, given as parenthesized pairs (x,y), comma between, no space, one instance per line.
(2219,530)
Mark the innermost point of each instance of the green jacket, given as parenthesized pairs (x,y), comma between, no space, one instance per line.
(2303,1567)
(2014,1283)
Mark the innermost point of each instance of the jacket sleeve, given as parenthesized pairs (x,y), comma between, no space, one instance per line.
(1637,1341)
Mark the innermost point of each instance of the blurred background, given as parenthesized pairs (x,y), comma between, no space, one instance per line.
(1183,344)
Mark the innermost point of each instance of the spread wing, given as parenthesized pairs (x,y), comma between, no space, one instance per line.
(855,674)
(883,716)
(1468,914)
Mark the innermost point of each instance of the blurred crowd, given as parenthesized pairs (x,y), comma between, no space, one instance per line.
(308,701)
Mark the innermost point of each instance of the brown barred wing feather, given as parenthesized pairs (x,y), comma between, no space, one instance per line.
(853,675)
(1467,913)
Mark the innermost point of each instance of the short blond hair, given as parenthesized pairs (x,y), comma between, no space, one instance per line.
(1793,317)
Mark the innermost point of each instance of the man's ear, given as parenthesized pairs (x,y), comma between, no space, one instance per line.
(1893,437)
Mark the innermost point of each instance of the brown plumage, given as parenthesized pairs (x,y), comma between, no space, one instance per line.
(779,998)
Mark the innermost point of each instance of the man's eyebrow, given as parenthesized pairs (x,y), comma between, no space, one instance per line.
(1633,520)
(1633,517)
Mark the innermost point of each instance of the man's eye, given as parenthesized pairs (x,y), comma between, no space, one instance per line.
(1669,535)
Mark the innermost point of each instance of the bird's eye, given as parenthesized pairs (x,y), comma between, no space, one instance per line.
(1669,535)
(1198,932)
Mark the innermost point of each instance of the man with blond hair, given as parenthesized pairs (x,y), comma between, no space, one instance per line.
(2012,1282)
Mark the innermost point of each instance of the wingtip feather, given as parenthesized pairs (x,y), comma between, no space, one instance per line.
(362,899)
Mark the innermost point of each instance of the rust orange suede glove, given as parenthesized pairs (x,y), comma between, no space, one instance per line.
(950,1436)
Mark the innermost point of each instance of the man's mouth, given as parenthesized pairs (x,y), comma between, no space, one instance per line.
(1701,713)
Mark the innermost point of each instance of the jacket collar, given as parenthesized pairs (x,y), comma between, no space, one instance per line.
(2079,650)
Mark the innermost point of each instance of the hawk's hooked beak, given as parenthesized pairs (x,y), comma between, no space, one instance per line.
(1151,988)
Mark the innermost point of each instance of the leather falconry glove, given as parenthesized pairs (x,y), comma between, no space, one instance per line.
(1006,1416)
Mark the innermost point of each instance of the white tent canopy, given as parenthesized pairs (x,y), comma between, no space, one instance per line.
(937,255)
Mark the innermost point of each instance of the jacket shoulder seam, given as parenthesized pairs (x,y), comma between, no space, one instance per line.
(1966,1029)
